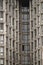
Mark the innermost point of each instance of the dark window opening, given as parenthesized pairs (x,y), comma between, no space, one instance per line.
(22,47)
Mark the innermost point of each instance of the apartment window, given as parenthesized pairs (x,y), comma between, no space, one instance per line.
(1,4)
(38,20)
(32,57)
(41,16)
(25,9)
(25,16)
(1,26)
(7,41)
(9,20)
(24,28)
(42,5)
(37,8)
(10,8)
(38,41)
(32,14)
(34,10)
(42,29)
(9,1)
(35,56)
(1,51)
(1,61)
(31,24)
(6,17)
(16,57)
(38,62)
(32,46)
(24,37)
(17,36)
(32,35)
(1,39)
(35,32)
(1,14)
(16,14)
(35,44)
(39,54)
(16,46)
(42,40)
(38,30)
(22,47)
(16,24)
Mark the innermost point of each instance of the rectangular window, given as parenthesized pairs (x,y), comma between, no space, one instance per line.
(42,5)
(1,51)
(41,16)
(1,39)
(1,4)
(38,9)
(1,61)
(38,54)
(24,37)
(1,26)
(22,47)
(42,29)
(24,28)
(42,40)
(1,14)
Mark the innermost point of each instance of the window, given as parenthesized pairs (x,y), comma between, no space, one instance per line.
(16,24)
(37,9)
(24,16)
(42,40)
(31,24)
(35,44)
(38,54)
(32,14)
(1,4)
(16,57)
(1,61)
(32,35)
(38,20)
(10,8)
(1,26)
(24,37)
(41,16)
(38,62)
(22,47)
(1,14)
(42,5)
(17,36)
(32,46)
(42,29)
(34,10)
(1,51)
(38,41)
(1,39)
(9,20)
(24,28)
(16,46)
(16,14)
(38,30)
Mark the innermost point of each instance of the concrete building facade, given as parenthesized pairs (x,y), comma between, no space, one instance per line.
(21,32)
(36,32)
